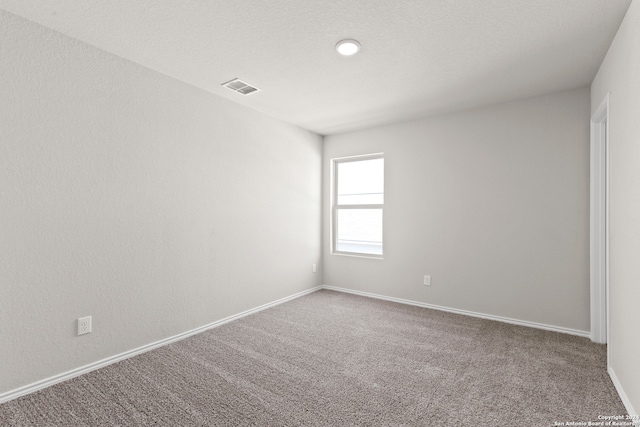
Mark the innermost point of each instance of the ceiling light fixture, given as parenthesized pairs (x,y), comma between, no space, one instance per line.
(348,47)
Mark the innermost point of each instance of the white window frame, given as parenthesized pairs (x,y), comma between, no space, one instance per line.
(335,207)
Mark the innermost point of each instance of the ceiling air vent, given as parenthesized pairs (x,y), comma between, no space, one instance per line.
(240,86)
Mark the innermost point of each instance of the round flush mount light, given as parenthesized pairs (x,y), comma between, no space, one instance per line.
(348,47)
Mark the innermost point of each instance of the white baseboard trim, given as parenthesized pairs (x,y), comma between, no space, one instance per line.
(569,331)
(623,396)
(39,385)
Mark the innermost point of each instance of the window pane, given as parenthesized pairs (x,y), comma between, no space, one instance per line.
(359,230)
(361,182)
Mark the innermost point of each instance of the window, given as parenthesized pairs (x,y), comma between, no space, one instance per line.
(357,204)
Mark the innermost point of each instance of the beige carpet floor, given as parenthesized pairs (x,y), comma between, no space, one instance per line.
(335,359)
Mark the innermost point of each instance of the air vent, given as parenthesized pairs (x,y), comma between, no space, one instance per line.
(238,85)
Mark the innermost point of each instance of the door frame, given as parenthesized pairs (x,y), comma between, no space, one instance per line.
(599,223)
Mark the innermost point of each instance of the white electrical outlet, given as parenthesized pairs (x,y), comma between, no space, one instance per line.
(427,280)
(313,268)
(84,325)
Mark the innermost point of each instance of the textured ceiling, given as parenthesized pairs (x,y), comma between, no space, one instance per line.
(418,57)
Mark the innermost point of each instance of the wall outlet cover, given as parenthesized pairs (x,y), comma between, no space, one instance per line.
(84,325)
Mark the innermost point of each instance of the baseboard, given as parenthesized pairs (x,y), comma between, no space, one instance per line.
(569,331)
(623,396)
(39,385)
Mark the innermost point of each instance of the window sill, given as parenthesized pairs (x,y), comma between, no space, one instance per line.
(356,255)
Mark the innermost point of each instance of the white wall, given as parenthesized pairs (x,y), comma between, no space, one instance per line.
(492,203)
(146,203)
(619,75)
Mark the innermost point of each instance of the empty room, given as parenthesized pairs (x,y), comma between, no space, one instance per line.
(319,213)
